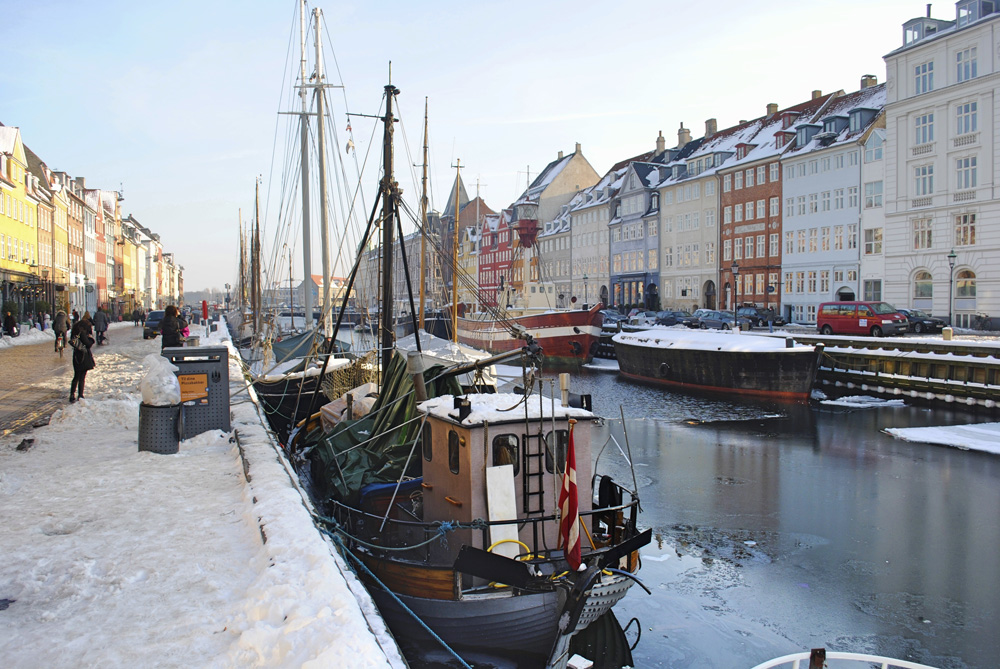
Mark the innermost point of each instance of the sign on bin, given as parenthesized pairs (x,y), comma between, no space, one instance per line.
(194,387)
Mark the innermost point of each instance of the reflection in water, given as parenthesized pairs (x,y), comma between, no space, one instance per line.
(781,527)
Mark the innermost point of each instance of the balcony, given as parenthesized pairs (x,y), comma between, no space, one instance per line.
(922,149)
(968,139)
(920,202)
(964,196)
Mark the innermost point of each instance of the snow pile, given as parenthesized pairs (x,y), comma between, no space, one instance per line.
(116,557)
(28,336)
(498,407)
(160,387)
(979,437)
(863,402)
(672,337)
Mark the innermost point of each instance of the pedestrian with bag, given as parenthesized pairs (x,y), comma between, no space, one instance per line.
(9,325)
(171,328)
(81,339)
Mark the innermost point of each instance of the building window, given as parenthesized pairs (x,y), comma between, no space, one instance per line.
(967,118)
(801,201)
(923,126)
(727,215)
(761,241)
(789,207)
(749,209)
(738,248)
(750,178)
(965,284)
(652,229)
(790,172)
(852,197)
(773,170)
(922,234)
(825,201)
(923,285)
(760,209)
(772,244)
(813,244)
(965,61)
(789,243)
(652,259)
(748,250)
(710,188)
(654,201)
(965,173)
(872,290)
(774,206)
(873,241)
(727,250)
(923,180)
(824,238)
(923,78)
(873,194)
(801,248)
(727,183)
(852,237)
(709,218)
(965,230)
(738,213)
(813,200)
(738,180)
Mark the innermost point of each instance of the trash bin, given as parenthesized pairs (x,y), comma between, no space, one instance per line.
(159,428)
(203,373)
(192,341)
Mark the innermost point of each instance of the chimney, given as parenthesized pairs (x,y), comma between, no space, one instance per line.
(928,10)
(661,144)
(711,127)
(817,94)
(683,136)
(560,156)
(868,80)
(577,150)
(81,183)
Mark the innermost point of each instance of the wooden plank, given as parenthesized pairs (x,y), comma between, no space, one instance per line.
(413,579)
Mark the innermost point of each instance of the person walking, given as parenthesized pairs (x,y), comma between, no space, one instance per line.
(171,327)
(82,339)
(101,325)
(9,324)
(60,325)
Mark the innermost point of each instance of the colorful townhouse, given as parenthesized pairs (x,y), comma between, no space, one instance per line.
(18,226)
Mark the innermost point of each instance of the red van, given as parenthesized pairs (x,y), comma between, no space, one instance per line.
(862,318)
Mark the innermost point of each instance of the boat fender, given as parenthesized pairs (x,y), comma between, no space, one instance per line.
(664,369)
(577,348)
(576,329)
(577,600)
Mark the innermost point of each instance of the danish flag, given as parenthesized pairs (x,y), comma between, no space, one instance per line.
(569,508)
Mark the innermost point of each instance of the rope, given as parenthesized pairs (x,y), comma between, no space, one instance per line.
(382,585)
(443,528)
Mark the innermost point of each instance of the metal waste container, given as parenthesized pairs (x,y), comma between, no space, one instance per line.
(203,373)
(159,428)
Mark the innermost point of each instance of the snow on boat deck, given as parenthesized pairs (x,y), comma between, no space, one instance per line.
(703,340)
(115,557)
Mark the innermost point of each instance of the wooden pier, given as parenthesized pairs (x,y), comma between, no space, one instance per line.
(934,370)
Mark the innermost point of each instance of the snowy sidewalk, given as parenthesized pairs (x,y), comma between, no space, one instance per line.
(115,557)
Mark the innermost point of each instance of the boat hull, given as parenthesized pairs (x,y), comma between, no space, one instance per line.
(567,338)
(781,373)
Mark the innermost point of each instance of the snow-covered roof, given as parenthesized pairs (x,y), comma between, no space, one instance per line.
(872,98)
(498,408)
(764,145)
(8,138)
(544,178)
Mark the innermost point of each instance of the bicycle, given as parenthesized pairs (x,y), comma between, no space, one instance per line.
(60,343)
(981,321)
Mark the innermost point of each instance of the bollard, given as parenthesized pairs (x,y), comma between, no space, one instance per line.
(947,333)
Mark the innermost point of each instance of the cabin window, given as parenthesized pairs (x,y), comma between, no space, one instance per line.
(453,451)
(555,451)
(425,442)
(505,451)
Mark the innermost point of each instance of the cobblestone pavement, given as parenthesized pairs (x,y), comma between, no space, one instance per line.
(34,380)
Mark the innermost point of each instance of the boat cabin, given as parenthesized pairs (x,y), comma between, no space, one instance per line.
(501,457)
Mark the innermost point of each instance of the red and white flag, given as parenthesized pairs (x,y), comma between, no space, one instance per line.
(569,509)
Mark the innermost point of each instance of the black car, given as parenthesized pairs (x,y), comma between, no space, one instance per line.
(151,327)
(921,321)
(761,317)
(693,321)
(671,317)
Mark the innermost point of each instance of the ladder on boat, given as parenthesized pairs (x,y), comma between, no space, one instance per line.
(533,488)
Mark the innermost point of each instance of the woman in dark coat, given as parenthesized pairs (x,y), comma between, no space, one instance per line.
(83,359)
(170,328)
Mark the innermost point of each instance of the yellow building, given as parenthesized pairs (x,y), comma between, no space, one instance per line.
(18,226)
(60,243)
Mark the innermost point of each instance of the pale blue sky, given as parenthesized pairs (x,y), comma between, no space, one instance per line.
(177,101)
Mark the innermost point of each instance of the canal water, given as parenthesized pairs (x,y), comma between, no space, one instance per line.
(779,528)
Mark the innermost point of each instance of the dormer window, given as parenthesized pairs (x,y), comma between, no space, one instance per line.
(654,201)
(973,10)
(787,119)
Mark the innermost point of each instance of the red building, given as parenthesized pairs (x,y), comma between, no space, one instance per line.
(496,250)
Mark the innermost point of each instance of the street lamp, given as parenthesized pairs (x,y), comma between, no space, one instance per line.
(736,280)
(227,296)
(586,305)
(951,283)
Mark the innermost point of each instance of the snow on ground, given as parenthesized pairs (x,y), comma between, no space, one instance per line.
(860,402)
(33,335)
(115,557)
(978,437)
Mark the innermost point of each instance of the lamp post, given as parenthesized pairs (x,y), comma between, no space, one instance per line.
(736,281)
(951,283)
(586,305)
(228,287)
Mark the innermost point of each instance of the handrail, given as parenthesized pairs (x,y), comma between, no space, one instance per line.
(795,659)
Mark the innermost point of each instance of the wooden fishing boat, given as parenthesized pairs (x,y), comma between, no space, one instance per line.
(728,362)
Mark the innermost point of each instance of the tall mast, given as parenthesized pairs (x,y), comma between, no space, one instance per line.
(258,289)
(304,150)
(321,135)
(389,204)
(454,255)
(423,223)
(241,287)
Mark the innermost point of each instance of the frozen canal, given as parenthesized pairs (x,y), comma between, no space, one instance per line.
(779,529)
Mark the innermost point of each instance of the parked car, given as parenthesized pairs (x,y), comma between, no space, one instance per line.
(151,327)
(721,320)
(760,316)
(921,321)
(611,316)
(692,320)
(669,317)
(643,318)
(863,318)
